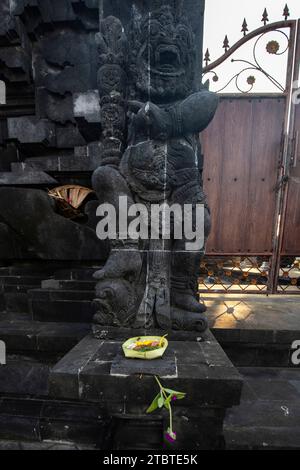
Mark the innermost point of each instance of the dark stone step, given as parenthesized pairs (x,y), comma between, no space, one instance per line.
(80,274)
(45,420)
(269,414)
(14,316)
(16,302)
(21,280)
(4,271)
(61,310)
(14,298)
(55,294)
(28,270)
(257,347)
(18,289)
(2,300)
(68,285)
(262,438)
(51,444)
(29,336)
(86,373)
(24,376)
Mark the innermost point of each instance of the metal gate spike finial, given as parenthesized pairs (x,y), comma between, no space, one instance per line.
(207,57)
(265,17)
(286,12)
(226,43)
(244,27)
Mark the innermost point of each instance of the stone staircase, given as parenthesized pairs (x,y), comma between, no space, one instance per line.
(67,297)
(41,420)
(45,309)
(14,287)
(36,339)
(44,313)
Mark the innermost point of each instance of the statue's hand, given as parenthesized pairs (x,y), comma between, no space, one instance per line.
(150,118)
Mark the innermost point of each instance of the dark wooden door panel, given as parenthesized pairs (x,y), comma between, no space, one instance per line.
(242,149)
(291,234)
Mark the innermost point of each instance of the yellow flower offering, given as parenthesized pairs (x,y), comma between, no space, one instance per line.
(145,347)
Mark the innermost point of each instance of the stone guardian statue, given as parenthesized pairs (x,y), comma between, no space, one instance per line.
(152,114)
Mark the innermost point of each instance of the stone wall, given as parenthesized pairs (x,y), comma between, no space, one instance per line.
(48,59)
(50,125)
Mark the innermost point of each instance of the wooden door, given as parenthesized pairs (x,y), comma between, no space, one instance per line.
(241,159)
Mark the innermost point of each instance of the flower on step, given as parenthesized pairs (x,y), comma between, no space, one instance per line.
(164,399)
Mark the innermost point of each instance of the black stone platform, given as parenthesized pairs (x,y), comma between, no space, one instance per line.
(255,330)
(95,371)
(121,334)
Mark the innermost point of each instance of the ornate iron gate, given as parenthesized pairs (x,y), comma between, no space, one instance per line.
(252,173)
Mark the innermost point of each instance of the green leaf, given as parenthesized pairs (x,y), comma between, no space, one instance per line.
(167,402)
(154,404)
(179,395)
(172,392)
(161,401)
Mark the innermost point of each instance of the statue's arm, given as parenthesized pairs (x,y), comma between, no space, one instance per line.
(189,116)
(194,113)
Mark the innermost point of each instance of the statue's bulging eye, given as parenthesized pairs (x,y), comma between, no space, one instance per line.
(183,35)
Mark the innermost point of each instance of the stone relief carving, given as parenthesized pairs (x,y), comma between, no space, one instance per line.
(112,86)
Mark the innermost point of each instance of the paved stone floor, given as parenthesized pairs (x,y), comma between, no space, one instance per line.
(253,311)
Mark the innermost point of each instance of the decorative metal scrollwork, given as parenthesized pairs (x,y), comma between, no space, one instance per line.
(245,83)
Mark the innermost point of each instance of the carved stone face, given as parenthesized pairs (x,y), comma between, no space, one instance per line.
(114,303)
(163,56)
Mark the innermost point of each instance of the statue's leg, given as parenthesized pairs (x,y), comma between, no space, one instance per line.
(185,270)
(124,260)
(185,273)
(156,299)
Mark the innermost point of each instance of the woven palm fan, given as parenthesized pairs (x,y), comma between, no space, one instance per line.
(69,198)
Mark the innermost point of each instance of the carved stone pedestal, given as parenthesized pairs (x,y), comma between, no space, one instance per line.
(96,371)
